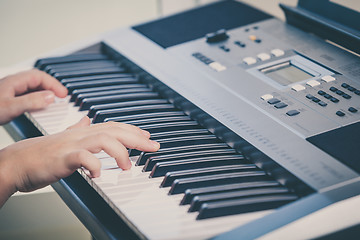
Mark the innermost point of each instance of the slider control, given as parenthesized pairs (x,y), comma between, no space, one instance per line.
(217,36)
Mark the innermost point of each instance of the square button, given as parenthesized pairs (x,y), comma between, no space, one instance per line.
(328,78)
(274,101)
(277,52)
(263,56)
(313,83)
(249,60)
(298,87)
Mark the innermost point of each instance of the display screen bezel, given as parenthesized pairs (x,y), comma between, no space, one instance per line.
(286,73)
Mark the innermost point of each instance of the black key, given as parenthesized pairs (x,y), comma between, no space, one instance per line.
(75,93)
(118,112)
(168,126)
(161,169)
(232,207)
(170,177)
(147,116)
(77,64)
(96,77)
(157,120)
(82,96)
(87,103)
(150,163)
(98,83)
(95,108)
(180,185)
(172,126)
(58,68)
(183,141)
(192,192)
(239,194)
(169,134)
(41,63)
(181,149)
(88,72)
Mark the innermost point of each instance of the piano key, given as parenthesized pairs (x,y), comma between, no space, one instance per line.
(75,64)
(95,108)
(172,126)
(82,96)
(87,103)
(150,163)
(180,185)
(118,112)
(75,93)
(148,116)
(170,177)
(180,149)
(88,72)
(160,135)
(41,63)
(65,81)
(100,82)
(54,68)
(238,194)
(231,207)
(156,120)
(161,169)
(184,141)
(192,192)
(180,141)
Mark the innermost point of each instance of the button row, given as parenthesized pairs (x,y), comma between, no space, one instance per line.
(350,88)
(316,100)
(212,64)
(350,109)
(277,103)
(263,56)
(313,83)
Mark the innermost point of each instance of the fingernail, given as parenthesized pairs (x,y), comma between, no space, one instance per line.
(145,133)
(49,97)
(155,144)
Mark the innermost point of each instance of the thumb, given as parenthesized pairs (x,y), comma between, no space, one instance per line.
(32,101)
(84,122)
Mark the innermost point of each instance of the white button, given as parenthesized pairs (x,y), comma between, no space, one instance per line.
(263,56)
(277,52)
(328,78)
(217,66)
(267,97)
(249,60)
(298,87)
(313,83)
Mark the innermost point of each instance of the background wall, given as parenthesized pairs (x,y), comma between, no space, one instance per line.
(31,28)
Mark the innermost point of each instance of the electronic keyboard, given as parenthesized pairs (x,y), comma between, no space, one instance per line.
(258,122)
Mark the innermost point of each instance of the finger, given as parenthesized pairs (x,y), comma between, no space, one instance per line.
(84,158)
(130,136)
(37,80)
(30,102)
(84,122)
(111,146)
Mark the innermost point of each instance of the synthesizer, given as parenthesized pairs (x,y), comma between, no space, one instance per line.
(258,121)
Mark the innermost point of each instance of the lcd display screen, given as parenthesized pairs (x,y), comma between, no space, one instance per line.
(286,73)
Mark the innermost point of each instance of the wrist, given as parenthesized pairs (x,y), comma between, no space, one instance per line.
(7,186)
